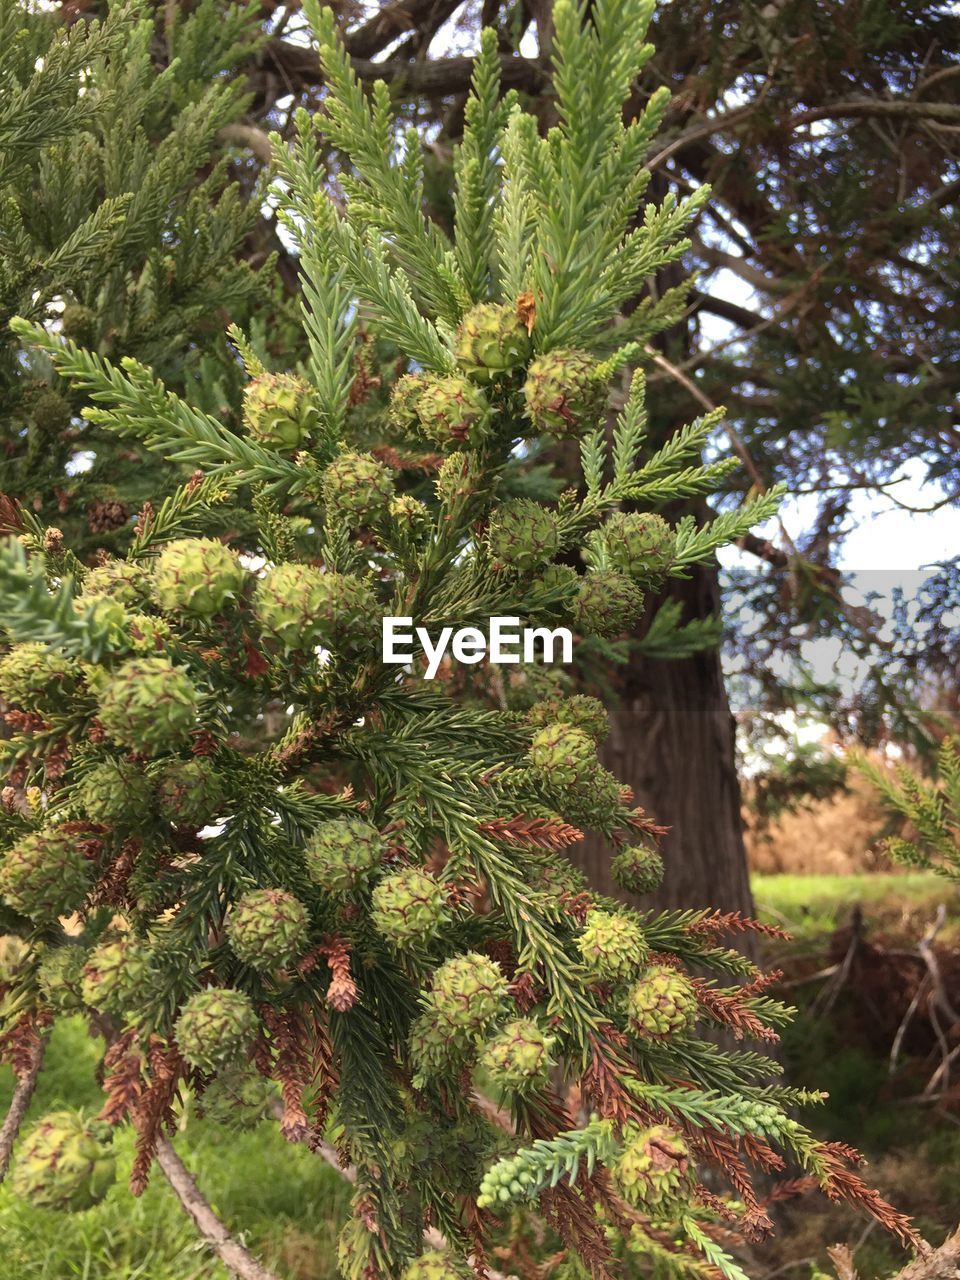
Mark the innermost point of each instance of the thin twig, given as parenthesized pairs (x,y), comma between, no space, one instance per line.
(905,1023)
(234,1256)
(22,1095)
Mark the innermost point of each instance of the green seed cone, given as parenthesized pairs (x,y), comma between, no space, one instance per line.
(149,705)
(452,413)
(121,580)
(638,869)
(467,993)
(302,607)
(60,978)
(190,793)
(278,411)
(581,711)
(267,929)
(640,544)
(118,976)
(661,1002)
(216,1028)
(197,576)
(611,945)
(434,1264)
(358,486)
(342,852)
(518,1057)
(115,793)
(563,393)
(564,755)
(64,1162)
(31,673)
(408,907)
(491,340)
(14,957)
(238,1100)
(654,1169)
(522,536)
(607,604)
(43,876)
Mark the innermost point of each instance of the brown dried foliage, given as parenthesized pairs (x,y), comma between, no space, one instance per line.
(729,1008)
(20,1043)
(342,991)
(839,1182)
(539,833)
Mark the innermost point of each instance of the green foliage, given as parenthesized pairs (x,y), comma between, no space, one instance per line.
(119,227)
(931,807)
(357,805)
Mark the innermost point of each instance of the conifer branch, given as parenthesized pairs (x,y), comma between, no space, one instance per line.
(234,1256)
(20,1102)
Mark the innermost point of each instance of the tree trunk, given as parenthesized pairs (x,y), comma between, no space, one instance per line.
(672,741)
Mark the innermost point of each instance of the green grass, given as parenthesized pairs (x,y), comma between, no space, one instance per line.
(812,905)
(287,1203)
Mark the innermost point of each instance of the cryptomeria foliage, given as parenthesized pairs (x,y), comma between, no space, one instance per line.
(283,858)
(930,806)
(123,209)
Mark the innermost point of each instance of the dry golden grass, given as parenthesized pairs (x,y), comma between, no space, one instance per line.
(837,836)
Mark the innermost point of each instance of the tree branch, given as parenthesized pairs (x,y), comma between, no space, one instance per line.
(22,1095)
(390,21)
(435,77)
(237,1259)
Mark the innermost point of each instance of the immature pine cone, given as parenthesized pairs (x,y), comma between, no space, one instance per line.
(60,978)
(197,576)
(65,1162)
(660,1002)
(433,1264)
(492,339)
(563,393)
(267,929)
(466,993)
(215,1027)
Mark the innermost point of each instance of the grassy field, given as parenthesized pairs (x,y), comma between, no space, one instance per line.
(289,1204)
(809,906)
